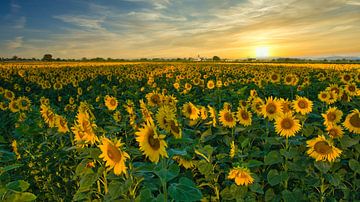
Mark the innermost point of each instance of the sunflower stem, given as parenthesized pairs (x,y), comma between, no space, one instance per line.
(163,182)
(105,182)
(322,189)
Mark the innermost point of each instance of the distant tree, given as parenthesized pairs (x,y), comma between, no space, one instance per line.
(216,58)
(47,57)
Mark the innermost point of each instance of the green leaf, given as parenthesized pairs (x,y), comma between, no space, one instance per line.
(185,190)
(245,143)
(254,163)
(167,174)
(347,141)
(117,188)
(10,167)
(272,157)
(289,196)
(204,167)
(256,187)
(273,177)
(322,166)
(173,152)
(20,197)
(145,196)
(354,165)
(269,194)
(308,130)
(87,181)
(19,185)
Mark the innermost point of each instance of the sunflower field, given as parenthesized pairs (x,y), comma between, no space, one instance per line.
(92,131)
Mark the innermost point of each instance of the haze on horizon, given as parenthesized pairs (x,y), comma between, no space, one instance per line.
(184,28)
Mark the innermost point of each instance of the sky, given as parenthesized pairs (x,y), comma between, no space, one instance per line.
(179,28)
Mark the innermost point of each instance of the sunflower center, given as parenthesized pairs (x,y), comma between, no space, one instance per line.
(228,117)
(174,128)
(154,143)
(351,88)
(331,116)
(114,153)
(287,123)
(322,147)
(244,115)
(347,77)
(112,102)
(155,99)
(271,108)
(333,132)
(288,79)
(355,120)
(274,77)
(324,95)
(336,90)
(189,109)
(302,104)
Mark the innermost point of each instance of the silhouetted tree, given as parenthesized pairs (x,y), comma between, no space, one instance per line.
(216,58)
(47,57)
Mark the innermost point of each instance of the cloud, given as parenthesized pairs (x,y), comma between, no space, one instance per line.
(81,21)
(17,42)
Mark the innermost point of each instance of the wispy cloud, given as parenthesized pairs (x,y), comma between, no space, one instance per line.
(17,42)
(81,21)
(20,23)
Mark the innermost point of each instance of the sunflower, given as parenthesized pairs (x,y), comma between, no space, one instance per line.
(184,162)
(212,115)
(61,124)
(257,105)
(14,146)
(9,94)
(175,129)
(176,86)
(14,106)
(335,131)
(286,125)
(302,105)
(346,78)
(352,121)
(84,129)
(190,111)
(48,115)
(210,84)
(324,96)
(146,113)
(219,84)
(227,118)
(321,149)
(332,116)
(244,117)
(24,103)
(188,86)
(241,175)
(163,117)
(275,78)
(154,99)
(117,116)
(110,102)
(114,156)
(203,113)
(3,106)
(151,144)
(271,109)
(351,89)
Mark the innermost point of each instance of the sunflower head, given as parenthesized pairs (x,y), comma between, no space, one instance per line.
(335,131)
(352,121)
(322,150)
(113,155)
(286,125)
(242,176)
(244,116)
(227,118)
(110,102)
(190,111)
(271,109)
(332,116)
(302,105)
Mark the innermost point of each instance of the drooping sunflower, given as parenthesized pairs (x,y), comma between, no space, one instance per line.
(244,117)
(302,105)
(271,109)
(335,131)
(151,143)
(184,162)
(203,113)
(242,176)
(61,124)
(322,150)
(84,129)
(352,121)
(257,105)
(285,105)
(48,115)
(117,116)
(332,116)
(110,102)
(175,128)
(190,111)
(232,149)
(114,156)
(227,118)
(286,125)
(212,115)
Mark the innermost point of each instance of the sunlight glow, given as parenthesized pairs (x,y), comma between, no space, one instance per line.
(262,52)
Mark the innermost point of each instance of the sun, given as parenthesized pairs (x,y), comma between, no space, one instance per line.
(262,52)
